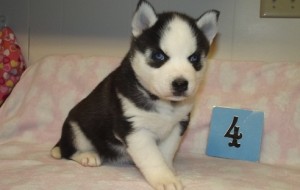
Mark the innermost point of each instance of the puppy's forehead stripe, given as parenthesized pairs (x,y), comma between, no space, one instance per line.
(178,37)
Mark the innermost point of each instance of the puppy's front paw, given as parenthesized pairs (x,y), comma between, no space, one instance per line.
(90,158)
(164,180)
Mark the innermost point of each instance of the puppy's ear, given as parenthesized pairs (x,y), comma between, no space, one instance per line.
(208,24)
(144,18)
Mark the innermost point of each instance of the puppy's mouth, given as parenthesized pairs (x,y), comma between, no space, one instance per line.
(179,94)
(176,97)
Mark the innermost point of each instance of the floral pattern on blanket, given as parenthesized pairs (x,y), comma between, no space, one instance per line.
(11,62)
(32,116)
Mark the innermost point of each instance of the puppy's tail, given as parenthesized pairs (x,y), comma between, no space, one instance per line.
(56,152)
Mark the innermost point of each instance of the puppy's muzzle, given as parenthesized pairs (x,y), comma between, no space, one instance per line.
(180,86)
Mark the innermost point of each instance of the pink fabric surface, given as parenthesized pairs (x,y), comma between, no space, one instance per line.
(29,166)
(273,88)
(32,116)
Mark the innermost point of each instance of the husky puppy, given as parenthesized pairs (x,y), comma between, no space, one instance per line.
(141,110)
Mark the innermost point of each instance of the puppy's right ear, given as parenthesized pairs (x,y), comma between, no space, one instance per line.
(144,18)
(208,23)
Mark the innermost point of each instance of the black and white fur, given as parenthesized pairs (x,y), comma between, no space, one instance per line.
(141,110)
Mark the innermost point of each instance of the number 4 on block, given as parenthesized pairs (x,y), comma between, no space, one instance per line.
(235,134)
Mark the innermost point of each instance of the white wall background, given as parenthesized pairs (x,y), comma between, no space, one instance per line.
(102,27)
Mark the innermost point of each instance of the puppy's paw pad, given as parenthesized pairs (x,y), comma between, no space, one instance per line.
(174,185)
(166,182)
(91,159)
(55,152)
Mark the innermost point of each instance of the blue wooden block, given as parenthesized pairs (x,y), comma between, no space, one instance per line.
(235,134)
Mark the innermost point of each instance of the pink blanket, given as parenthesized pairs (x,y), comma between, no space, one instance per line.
(32,116)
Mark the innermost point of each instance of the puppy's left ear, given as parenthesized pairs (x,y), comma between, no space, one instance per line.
(144,18)
(208,24)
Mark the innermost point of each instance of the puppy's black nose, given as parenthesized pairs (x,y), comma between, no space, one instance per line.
(179,86)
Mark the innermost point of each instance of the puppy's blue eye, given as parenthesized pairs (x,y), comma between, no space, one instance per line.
(194,58)
(158,56)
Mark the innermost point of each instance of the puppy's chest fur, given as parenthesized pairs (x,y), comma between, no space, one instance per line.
(160,119)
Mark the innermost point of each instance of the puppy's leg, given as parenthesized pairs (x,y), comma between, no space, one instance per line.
(85,152)
(145,153)
(169,146)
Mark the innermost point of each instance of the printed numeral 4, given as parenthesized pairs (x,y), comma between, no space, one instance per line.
(233,133)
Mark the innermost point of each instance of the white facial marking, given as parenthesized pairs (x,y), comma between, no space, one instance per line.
(178,42)
(178,39)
